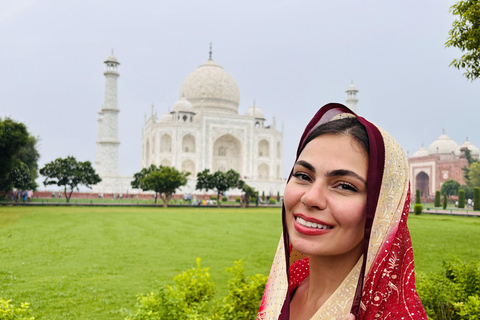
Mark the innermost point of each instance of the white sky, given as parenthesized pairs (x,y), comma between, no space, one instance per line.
(291,57)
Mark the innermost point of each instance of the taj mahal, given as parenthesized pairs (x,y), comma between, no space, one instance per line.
(203,130)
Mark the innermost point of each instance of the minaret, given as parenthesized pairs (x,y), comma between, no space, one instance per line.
(107,142)
(352,97)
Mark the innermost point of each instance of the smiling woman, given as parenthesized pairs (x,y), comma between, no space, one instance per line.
(346,251)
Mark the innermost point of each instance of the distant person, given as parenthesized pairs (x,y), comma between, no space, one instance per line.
(349,181)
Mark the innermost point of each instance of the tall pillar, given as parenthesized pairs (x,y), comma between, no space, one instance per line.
(352,99)
(107,142)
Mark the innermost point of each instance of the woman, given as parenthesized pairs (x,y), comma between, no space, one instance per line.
(345,243)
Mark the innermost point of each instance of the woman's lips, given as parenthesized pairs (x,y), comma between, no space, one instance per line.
(310,226)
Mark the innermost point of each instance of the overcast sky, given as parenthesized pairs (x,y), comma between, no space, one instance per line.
(291,57)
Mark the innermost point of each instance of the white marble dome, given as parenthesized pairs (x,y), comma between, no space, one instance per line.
(255,112)
(444,144)
(422,152)
(166,118)
(211,89)
(475,152)
(112,58)
(182,105)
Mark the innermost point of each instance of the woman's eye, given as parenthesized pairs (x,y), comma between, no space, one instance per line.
(302,176)
(347,186)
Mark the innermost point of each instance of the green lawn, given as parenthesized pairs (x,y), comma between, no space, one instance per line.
(89,262)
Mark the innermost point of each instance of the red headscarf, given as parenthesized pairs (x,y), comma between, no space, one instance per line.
(382,284)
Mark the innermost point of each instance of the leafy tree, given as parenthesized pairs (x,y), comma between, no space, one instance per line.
(218,181)
(29,155)
(450,187)
(437,199)
(250,192)
(468,191)
(474,174)
(471,160)
(461,198)
(476,198)
(70,173)
(418,199)
(162,180)
(21,177)
(13,136)
(444,201)
(464,35)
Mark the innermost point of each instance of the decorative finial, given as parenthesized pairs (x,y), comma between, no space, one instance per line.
(254,102)
(443,130)
(467,138)
(210,55)
(112,50)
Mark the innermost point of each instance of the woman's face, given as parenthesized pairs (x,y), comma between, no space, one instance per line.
(325,199)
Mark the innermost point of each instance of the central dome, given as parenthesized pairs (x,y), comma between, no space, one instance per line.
(211,89)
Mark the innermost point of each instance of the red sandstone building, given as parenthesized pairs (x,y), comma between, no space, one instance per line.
(442,161)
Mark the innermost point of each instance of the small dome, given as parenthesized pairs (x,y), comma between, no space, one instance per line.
(444,144)
(254,112)
(182,105)
(352,87)
(112,58)
(422,152)
(211,89)
(166,118)
(474,151)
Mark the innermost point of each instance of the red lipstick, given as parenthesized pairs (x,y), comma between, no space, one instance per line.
(310,231)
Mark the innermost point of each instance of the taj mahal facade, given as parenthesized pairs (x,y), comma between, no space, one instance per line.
(203,130)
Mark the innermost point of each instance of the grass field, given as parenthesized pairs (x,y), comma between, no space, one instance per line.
(88,263)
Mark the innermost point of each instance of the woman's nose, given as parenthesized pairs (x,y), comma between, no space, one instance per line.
(315,197)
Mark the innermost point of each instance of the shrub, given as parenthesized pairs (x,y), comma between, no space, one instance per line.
(437,199)
(253,199)
(278,196)
(263,195)
(444,201)
(418,199)
(191,297)
(272,201)
(213,197)
(224,198)
(476,198)
(244,294)
(461,198)
(237,199)
(9,311)
(452,294)
(417,208)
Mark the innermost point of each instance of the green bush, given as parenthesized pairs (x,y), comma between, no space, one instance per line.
(417,208)
(437,199)
(452,294)
(237,199)
(244,294)
(191,297)
(9,311)
(224,198)
(263,195)
(253,199)
(461,198)
(272,201)
(476,198)
(444,201)
(418,199)
(213,198)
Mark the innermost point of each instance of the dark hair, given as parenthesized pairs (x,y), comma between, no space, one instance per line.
(348,126)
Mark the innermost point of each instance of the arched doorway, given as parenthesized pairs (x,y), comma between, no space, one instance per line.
(422,181)
(227,154)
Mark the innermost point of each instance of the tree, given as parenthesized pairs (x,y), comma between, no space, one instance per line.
(21,177)
(465,35)
(418,199)
(474,174)
(444,201)
(28,154)
(476,198)
(437,199)
(218,181)
(249,191)
(13,136)
(470,160)
(450,187)
(461,198)
(162,180)
(70,173)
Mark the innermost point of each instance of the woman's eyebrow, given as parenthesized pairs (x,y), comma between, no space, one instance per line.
(306,165)
(345,172)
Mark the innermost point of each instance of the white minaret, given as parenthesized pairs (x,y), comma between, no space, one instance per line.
(352,99)
(106,163)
